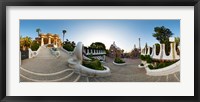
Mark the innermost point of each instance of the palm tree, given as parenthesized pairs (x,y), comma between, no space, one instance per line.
(22,43)
(27,42)
(64,31)
(162,34)
(38,30)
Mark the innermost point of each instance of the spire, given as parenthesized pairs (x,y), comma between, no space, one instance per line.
(134,46)
(139,44)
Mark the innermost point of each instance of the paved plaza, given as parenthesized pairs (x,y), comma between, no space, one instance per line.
(47,67)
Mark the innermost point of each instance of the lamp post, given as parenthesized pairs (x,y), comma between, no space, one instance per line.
(64,31)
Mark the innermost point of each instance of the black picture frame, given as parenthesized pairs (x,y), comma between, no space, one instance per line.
(5,3)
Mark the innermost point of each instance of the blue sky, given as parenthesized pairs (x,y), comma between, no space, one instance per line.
(125,33)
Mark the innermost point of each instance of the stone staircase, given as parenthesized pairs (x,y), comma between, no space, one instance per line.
(53,69)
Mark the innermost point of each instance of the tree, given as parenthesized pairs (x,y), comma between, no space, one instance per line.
(34,45)
(157,47)
(38,30)
(146,47)
(162,34)
(64,31)
(73,44)
(98,45)
(25,42)
(177,41)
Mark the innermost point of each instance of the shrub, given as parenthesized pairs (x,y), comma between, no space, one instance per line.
(161,65)
(151,67)
(34,46)
(68,47)
(142,57)
(149,59)
(93,64)
(90,56)
(118,60)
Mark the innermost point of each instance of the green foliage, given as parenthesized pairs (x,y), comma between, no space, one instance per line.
(91,56)
(151,67)
(142,57)
(98,45)
(69,46)
(118,60)
(107,52)
(38,30)
(25,43)
(177,40)
(35,46)
(161,65)
(146,47)
(157,48)
(148,59)
(93,64)
(162,34)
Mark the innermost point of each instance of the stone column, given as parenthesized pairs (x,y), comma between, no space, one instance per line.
(42,41)
(56,42)
(148,52)
(173,48)
(49,41)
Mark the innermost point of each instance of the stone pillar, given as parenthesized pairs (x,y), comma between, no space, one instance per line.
(49,41)
(42,41)
(173,50)
(145,51)
(148,52)
(56,42)
(161,51)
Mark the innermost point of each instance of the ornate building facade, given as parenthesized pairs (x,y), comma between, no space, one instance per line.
(115,51)
(52,39)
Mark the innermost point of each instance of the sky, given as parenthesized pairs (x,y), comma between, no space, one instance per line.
(125,33)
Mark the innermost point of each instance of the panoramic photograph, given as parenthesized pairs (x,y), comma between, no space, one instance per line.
(99,50)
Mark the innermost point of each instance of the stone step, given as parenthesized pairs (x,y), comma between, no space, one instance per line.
(45,77)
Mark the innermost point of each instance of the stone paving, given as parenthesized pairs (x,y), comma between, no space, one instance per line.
(131,73)
(46,63)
